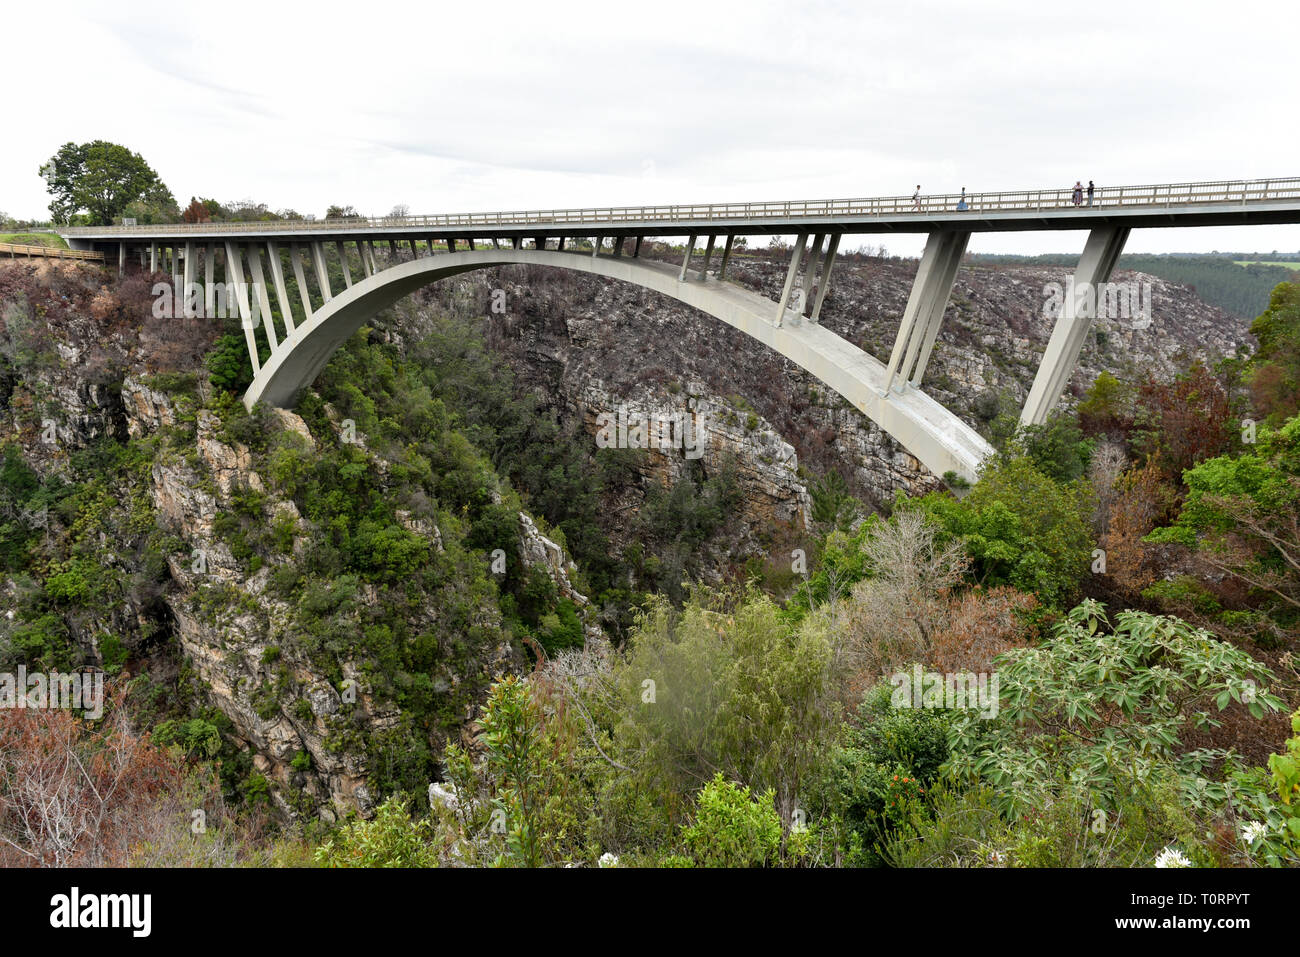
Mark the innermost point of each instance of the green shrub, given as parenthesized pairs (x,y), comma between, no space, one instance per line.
(732,828)
(391,839)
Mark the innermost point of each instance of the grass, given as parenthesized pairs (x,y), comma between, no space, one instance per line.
(34,239)
(1265,262)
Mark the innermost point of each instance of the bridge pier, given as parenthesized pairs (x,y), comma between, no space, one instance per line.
(1100,254)
(795,256)
(810,273)
(925,306)
(263,300)
(235,272)
(343,261)
(209,280)
(828,262)
(282,289)
(708,254)
(295,260)
(686,261)
(322,274)
(726,256)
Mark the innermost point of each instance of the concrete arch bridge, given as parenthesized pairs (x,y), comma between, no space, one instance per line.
(607,242)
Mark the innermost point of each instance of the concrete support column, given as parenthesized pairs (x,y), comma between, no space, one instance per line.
(282,289)
(636,249)
(190,253)
(618,246)
(415,253)
(235,275)
(210,280)
(925,305)
(1100,254)
(708,254)
(347,267)
(793,271)
(595,249)
(956,250)
(263,300)
(322,274)
(295,260)
(559,246)
(810,271)
(153,255)
(827,264)
(726,255)
(686,260)
(121,259)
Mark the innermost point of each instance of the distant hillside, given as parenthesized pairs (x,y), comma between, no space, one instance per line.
(1241,290)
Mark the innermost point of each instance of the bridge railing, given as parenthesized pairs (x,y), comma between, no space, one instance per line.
(48,252)
(1231,192)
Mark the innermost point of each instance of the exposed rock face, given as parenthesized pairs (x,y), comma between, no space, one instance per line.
(691,425)
(536,550)
(292,718)
(586,345)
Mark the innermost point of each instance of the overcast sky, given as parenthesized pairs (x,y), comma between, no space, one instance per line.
(474,106)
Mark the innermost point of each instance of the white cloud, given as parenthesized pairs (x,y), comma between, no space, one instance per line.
(454,107)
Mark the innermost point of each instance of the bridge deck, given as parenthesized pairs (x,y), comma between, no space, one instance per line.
(1236,202)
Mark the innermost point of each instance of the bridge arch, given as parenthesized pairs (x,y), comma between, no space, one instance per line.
(936,437)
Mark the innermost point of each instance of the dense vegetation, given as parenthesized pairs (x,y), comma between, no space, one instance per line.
(1239,284)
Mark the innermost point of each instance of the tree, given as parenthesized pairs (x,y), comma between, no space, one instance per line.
(833,506)
(1107,408)
(1183,422)
(98,181)
(893,616)
(196,212)
(1242,517)
(342,212)
(1274,372)
(1020,528)
(76,795)
(1102,704)
(733,690)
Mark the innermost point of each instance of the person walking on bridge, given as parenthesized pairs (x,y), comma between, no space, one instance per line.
(916,198)
(1078,193)
(1091,189)
(961,203)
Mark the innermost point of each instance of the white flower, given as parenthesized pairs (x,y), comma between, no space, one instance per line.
(608,860)
(1254,831)
(1172,857)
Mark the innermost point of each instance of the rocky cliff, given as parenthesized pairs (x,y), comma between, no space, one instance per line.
(588,346)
